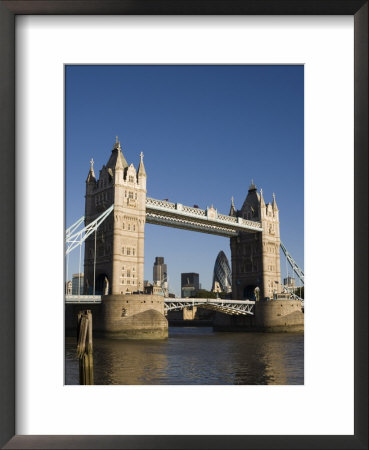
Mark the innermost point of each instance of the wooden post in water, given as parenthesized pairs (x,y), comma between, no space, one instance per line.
(85,347)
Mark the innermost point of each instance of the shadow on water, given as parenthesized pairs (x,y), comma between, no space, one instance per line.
(195,356)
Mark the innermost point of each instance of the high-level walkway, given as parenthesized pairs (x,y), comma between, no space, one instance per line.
(162,212)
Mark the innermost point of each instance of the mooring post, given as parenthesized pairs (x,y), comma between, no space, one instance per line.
(85,347)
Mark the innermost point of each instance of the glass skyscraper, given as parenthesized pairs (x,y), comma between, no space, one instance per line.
(222,273)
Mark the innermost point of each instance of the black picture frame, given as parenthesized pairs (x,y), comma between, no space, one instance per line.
(8,12)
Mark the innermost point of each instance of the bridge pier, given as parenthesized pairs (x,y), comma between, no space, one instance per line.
(125,317)
(134,317)
(189,313)
(270,316)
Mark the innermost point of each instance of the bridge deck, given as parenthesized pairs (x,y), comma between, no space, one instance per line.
(234,307)
(176,215)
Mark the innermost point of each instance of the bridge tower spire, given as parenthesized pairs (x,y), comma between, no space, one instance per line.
(141,173)
(232,211)
(256,257)
(119,262)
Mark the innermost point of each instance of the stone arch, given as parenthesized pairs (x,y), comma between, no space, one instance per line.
(249,292)
(102,285)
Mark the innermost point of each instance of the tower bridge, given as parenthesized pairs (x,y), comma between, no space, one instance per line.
(116,210)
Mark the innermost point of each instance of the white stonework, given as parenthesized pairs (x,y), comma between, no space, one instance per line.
(255,256)
(120,239)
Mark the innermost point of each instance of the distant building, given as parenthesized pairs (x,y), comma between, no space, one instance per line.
(222,276)
(156,289)
(190,284)
(216,287)
(160,275)
(289,282)
(77,283)
(68,288)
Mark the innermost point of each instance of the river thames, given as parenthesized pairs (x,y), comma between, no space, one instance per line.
(195,355)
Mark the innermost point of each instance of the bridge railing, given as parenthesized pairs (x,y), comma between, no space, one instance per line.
(195,211)
(160,203)
(83,298)
(227,218)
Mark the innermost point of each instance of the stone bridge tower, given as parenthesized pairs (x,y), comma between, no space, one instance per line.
(255,256)
(119,262)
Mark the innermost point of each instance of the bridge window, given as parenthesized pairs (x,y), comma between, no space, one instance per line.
(129,227)
(128,251)
(136,196)
(134,227)
(123,226)
(133,253)
(130,194)
(123,254)
(128,273)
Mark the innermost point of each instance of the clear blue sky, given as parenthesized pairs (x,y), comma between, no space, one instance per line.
(205,132)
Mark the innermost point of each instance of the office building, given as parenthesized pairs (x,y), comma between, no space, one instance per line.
(77,283)
(190,284)
(160,273)
(222,276)
(289,282)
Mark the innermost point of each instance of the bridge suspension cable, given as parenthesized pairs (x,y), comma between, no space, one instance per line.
(293,263)
(73,227)
(73,239)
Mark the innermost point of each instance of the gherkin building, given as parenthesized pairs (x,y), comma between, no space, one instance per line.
(222,273)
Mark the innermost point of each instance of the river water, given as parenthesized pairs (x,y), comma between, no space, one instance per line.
(195,355)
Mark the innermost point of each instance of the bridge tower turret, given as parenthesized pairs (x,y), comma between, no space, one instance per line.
(90,188)
(119,262)
(255,256)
